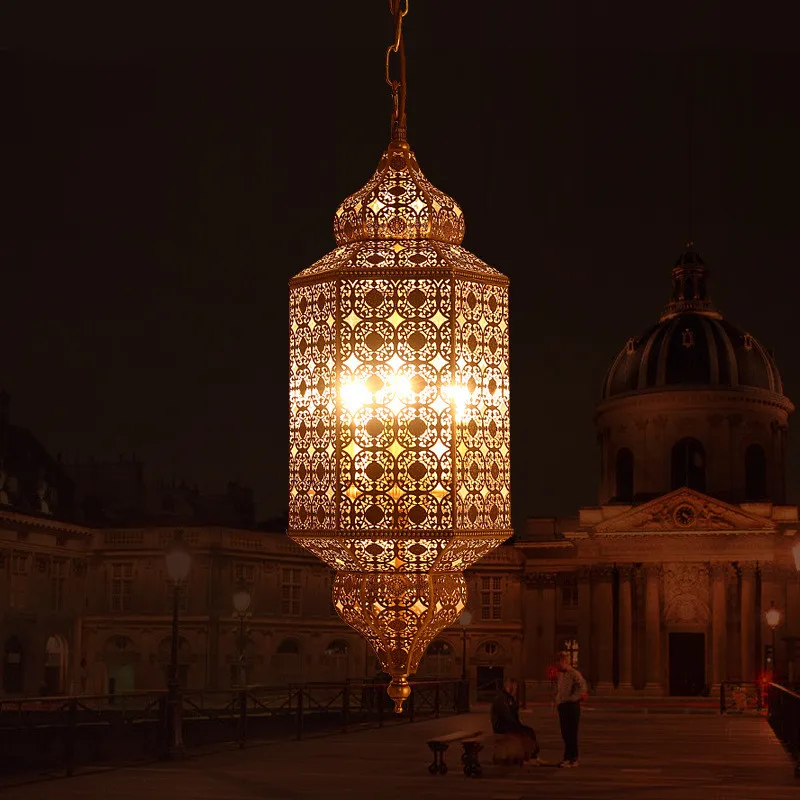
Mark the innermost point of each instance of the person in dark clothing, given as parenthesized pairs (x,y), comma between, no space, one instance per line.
(571,691)
(505,719)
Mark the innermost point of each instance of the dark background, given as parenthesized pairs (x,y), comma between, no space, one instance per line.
(170,168)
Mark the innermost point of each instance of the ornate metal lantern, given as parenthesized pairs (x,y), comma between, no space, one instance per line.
(399,398)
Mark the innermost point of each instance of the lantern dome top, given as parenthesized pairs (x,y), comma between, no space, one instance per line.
(398,202)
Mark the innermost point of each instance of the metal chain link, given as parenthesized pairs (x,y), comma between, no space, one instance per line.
(398,9)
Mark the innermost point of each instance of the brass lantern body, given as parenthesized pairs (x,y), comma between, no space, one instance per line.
(399,397)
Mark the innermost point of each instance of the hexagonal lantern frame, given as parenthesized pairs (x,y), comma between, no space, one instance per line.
(399,421)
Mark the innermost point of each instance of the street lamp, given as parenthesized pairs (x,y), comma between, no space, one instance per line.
(773,617)
(179,561)
(399,405)
(464,621)
(241,605)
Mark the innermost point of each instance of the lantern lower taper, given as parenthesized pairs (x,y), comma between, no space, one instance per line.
(400,614)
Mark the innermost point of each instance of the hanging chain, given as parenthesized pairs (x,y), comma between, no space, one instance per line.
(398,9)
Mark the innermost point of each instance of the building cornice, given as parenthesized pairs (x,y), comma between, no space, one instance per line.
(702,398)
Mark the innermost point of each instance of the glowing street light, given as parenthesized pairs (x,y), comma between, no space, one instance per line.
(773,618)
(399,406)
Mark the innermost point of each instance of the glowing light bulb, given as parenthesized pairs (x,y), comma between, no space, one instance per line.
(401,387)
(459,396)
(354,396)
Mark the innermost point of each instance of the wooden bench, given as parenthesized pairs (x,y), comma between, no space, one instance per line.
(440,744)
(507,749)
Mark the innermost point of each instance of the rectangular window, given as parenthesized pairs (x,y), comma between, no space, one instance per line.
(245,573)
(290,592)
(19,579)
(58,575)
(19,564)
(569,593)
(571,648)
(121,586)
(491,597)
(18,598)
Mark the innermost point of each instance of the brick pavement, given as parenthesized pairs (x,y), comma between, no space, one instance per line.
(652,756)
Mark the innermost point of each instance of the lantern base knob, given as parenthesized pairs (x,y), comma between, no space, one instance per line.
(399,690)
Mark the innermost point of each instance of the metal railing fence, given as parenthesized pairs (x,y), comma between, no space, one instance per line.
(57,735)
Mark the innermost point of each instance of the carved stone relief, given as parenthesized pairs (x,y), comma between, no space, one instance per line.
(686,595)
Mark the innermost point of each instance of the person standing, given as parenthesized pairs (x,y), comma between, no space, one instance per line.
(571,691)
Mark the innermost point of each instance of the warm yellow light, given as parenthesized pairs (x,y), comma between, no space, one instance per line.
(459,396)
(796,554)
(179,560)
(773,617)
(355,396)
(400,388)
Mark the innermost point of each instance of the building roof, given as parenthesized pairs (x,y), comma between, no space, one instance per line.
(692,345)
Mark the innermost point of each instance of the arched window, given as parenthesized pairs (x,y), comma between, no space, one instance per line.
(624,475)
(689,465)
(755,472)
(335,659)
(489,651)
(12,666)
(55,665)
(438,663)
(439,648)
(338,647)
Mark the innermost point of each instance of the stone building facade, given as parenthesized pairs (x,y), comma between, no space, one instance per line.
(88,611)
(691,541)
(661,588)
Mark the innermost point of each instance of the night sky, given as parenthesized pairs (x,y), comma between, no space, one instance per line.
(167,184)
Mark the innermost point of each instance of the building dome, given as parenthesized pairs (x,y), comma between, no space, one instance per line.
(691,346)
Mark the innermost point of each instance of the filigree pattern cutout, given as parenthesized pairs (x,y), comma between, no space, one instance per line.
(312,395)
(398,202)
(483,435)
(395,446)
(400,614)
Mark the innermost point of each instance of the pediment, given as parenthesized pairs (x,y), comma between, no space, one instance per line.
(684,511)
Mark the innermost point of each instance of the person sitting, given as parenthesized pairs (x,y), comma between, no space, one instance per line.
(505,721)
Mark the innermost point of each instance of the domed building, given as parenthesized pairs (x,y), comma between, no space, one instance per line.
(662,588)
(693,401)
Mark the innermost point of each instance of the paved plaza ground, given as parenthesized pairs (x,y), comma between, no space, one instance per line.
(649,755)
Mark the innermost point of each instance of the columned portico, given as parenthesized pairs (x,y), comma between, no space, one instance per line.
(625,629)
(719,634)
(603,624)
(653,629)
(747,570)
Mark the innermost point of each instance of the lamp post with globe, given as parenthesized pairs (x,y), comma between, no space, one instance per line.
(464,621)
(179,561)
(773,618)
(241,605)
(241,609)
